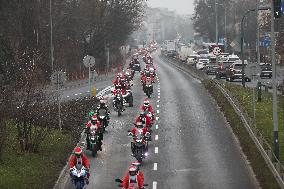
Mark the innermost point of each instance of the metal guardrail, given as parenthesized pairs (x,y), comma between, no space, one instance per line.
(261,143)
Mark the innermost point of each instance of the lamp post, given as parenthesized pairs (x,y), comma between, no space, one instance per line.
(51,35)
(216,23)
(274,90)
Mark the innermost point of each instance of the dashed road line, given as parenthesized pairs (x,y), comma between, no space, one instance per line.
(155,185)
(157,118)
(67,96)
(158,105)
(157,126)
(156,137)
(158,101)
(76,94)
(158,111)
(159,94)
(155,166)
(156,150)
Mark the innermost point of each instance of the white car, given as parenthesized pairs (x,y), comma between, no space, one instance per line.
(200,65)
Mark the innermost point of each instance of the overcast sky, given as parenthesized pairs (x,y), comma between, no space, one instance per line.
(181,6)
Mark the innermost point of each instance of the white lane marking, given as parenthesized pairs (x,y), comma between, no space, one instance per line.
(159,97)
(154,185)
(156,150)
(80,93)
(156,137)
(67,96)
(158,111)
(157,118)
(159,93)
(88,91)
(157,126)
(76,94)
(155,166)
(158,105)
(158,101)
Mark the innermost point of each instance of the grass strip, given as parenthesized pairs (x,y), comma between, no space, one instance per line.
(261,170)
(34,170)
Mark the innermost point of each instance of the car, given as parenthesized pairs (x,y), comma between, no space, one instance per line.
(221,71)
(266,71)
(235,72)
(200,65)
(211,69)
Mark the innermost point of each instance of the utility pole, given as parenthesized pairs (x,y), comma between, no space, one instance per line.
(225,29)
(51,36)
(257,33)
(107,57)
(216,19)
(274,91)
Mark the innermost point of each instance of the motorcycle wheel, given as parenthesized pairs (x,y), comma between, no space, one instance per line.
(131,102)
(78,185)
(94,152)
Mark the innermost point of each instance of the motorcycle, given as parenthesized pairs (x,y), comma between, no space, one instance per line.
(140,145)
(93,140)
(79,176)
(102,115)
(132,185)
(118,104)
(129,98)
(148,90)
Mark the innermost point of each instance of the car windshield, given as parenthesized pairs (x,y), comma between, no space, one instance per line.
(238,66)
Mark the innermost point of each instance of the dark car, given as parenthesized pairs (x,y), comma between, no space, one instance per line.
(235,72)
(211,69)
(222,69)
(266,71)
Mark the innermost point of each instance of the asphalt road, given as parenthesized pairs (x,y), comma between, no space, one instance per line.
(192,145)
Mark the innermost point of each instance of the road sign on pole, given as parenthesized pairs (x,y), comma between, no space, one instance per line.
(58,78)
(89,61)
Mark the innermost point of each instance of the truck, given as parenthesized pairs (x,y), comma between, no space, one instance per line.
(170,48)
(184,52)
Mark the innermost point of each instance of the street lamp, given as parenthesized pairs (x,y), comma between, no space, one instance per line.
(51,35)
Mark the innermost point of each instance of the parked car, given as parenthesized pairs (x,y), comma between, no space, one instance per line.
(266,71)
(200,65)
(235,72)
(211,69)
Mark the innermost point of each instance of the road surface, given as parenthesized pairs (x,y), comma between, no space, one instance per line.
(192,145)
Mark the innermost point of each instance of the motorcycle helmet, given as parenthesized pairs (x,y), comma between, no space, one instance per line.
(132,170)
(94,119)
(142,114)
(139,125)
(78,151)
(102,102)
(146,103)
(91,113)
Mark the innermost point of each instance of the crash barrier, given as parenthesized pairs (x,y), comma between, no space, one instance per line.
(261,143)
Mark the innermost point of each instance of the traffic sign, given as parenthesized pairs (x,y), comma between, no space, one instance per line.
(58,78)
(89,61)
(217,50)
(265,42)
(252,69)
